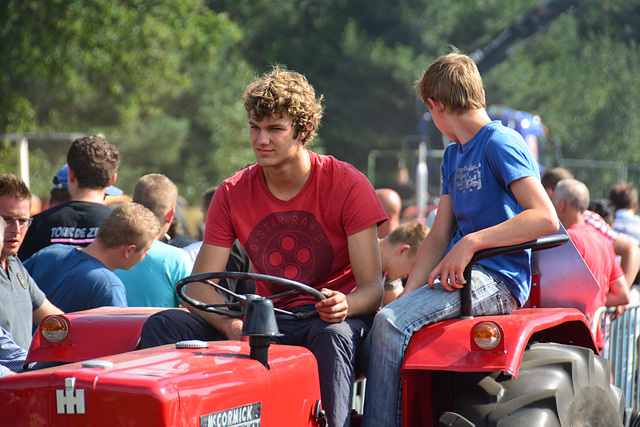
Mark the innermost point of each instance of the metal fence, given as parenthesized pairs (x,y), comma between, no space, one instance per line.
(357,401)
(600,175)
(621,349)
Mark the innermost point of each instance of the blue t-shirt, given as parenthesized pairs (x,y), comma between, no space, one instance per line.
(74,280)
(476,176)
(152,282)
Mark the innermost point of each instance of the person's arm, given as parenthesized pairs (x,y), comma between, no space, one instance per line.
(433,248)
(364,257)
(618,293)
(537,219)
(212,259)
(629,254)
(45,309)
(12,356)
(392,292)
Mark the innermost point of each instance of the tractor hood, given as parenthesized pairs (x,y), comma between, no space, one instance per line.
(212,386)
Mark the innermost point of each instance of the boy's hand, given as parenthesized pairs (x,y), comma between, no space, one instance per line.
(334,309)
(451,267)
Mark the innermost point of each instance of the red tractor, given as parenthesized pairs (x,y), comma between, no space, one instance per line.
(538,366)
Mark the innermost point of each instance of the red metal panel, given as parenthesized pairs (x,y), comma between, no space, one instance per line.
(165,386)
(25,400)
(446,346)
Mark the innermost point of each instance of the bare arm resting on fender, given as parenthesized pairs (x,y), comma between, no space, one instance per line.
(433,248)
(538,219)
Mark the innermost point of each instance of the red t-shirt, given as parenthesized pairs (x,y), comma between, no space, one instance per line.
(302,239)
(597,252)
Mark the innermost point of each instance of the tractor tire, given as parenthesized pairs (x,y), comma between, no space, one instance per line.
(557,385)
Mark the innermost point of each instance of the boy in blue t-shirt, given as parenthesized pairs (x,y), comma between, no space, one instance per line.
(79,278)
(491,190)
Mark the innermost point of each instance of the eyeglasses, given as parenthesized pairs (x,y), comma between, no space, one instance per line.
(22,222)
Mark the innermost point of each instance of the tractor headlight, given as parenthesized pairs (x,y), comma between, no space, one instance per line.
(487,335)
(54,329)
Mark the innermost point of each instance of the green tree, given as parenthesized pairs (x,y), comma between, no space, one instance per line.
(364,56)
(352,54)
(580,77)
(163,79)
(143,73)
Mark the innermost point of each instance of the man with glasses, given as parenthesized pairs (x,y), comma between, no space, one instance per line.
(21,301)
(12,356)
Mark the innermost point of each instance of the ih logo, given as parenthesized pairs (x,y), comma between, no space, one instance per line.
(292,245)
(70,400)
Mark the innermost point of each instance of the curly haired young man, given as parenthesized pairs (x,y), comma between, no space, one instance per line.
(301,216)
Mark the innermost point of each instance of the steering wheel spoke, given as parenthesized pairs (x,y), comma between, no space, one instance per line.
(282,294)
(286,314)
(230,305)
(240,302)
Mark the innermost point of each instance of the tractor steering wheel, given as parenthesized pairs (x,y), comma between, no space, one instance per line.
(238,307)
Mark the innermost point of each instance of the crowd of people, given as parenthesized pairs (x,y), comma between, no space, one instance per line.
(316,220)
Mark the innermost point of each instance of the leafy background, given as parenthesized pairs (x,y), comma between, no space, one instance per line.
(163,79)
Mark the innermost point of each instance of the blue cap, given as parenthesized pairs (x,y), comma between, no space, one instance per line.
(61,180)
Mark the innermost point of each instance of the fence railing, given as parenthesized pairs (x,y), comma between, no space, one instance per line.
(621,349)
(601,175)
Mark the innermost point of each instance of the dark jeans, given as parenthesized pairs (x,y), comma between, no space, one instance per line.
(336,347)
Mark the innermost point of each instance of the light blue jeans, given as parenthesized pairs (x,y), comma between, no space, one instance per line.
(394,325)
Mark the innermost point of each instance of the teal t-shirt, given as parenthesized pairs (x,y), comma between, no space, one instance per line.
(152,282)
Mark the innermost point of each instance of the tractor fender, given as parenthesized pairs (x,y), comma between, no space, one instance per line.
(449,345)
(92,333)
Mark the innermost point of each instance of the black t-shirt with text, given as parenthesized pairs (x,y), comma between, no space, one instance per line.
(72,223)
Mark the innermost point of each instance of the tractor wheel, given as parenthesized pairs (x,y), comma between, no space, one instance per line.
(557,385)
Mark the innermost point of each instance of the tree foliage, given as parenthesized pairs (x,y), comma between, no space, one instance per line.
(144,73)
(364,56)
(163,79)
(356,53)
(580,78)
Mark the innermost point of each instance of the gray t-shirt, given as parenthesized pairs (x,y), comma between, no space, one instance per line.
(19,297)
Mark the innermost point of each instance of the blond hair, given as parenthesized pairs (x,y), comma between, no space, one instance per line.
(454,81)
(410,233)
(157,193)
(129,224)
